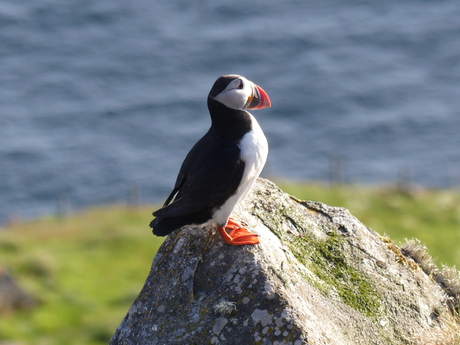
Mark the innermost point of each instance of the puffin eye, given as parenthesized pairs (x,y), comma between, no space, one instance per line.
(241,85)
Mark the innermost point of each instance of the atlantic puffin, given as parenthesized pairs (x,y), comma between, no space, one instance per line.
(222,166)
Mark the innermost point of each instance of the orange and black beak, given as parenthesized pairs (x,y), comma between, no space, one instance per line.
(259,99)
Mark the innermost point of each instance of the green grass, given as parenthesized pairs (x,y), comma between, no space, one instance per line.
(85,270)
(432,216)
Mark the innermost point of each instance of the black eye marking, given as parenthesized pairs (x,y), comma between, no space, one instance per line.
(241,85)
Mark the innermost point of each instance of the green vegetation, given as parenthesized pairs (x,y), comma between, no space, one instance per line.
(432,216)
(85,270)
(327,258)
(347,282)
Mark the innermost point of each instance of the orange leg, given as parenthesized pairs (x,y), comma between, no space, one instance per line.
(238,235)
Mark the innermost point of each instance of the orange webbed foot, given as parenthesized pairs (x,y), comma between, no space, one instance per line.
(238,235)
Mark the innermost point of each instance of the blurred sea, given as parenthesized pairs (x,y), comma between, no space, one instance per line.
(100,97)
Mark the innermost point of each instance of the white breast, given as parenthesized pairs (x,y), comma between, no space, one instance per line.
(254,152)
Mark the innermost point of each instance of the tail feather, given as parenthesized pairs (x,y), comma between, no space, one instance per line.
(164,226)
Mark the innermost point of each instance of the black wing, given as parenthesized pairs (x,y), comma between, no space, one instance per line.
(209,175)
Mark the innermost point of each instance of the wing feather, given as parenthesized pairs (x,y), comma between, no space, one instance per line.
(209,175)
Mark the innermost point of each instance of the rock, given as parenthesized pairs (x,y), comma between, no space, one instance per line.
(12,297)
(318,276)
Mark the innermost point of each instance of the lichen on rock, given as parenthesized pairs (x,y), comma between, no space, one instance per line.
(318,276)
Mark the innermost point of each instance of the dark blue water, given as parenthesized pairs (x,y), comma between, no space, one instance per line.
(100,96)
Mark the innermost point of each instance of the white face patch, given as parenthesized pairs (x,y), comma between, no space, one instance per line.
(236,94)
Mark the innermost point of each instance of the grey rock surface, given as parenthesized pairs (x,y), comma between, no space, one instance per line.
(12,297)
(318,276)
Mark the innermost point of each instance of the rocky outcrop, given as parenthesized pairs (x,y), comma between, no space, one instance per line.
(318,276)
(12,297)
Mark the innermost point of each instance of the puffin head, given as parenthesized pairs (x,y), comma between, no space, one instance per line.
(236,92)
